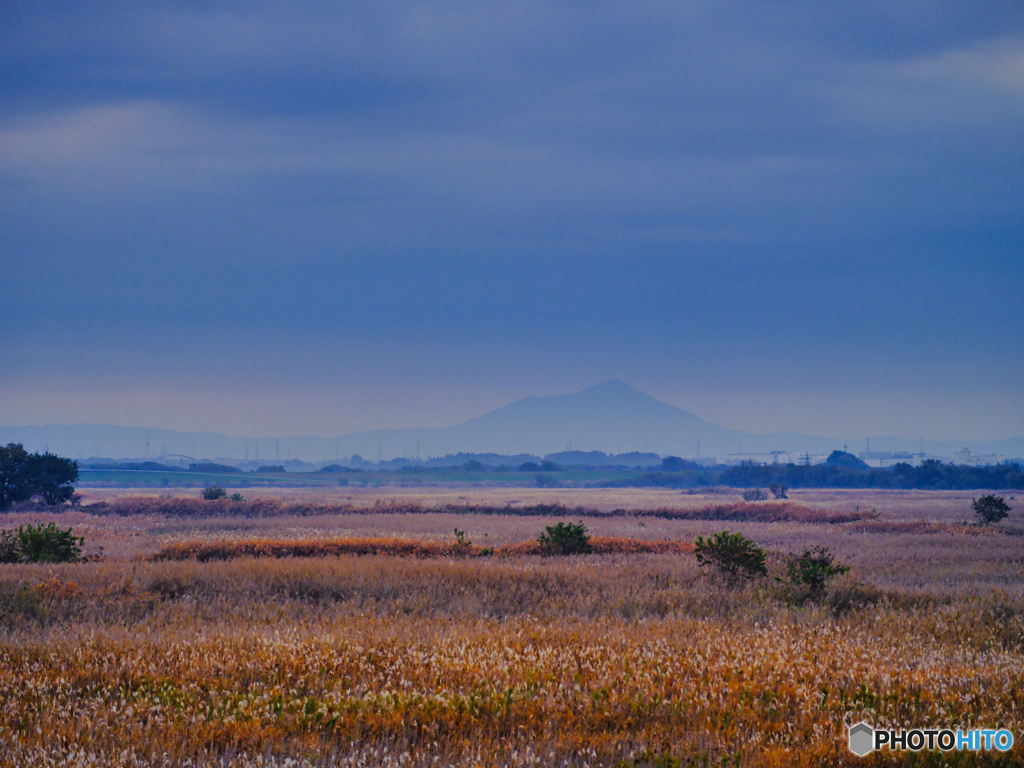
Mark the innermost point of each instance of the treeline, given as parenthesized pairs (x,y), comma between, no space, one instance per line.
(930,475)
(154,466)
(837,472)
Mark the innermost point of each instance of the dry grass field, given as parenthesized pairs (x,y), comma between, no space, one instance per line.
(425,657)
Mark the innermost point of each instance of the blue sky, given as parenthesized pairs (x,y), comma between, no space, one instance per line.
(302,218)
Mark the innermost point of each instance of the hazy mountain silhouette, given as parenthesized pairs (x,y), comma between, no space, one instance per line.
(612,417)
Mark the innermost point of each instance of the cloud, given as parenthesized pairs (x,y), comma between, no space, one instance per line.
(731,110)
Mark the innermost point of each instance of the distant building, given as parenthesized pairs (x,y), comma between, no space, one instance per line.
(971,459)
(878,459)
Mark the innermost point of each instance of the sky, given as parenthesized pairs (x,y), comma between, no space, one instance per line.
(297,218)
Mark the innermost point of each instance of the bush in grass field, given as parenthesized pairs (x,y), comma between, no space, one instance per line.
(812,569)
(42,544)
(214,492)
(990,508)
(9,549)
(565,539)
(734,556)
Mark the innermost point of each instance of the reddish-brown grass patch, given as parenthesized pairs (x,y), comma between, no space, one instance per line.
(225,550)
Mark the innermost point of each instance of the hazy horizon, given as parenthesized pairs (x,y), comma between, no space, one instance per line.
(621,412)
(307,220)
(906,415)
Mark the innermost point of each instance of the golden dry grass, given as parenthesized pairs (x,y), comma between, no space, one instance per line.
(620,659)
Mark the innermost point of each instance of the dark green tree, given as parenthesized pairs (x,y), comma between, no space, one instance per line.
(214,492)
(48,544)
(812,569)
(52,477)
(675,464)
(14,481)
(844,459)
(566,539)
(9,547)
(733,554)
(24,475)
(990,508)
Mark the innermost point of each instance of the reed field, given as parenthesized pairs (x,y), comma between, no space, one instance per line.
(309,629)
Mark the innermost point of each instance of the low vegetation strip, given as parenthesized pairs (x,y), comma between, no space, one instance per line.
(204,551)
(192,507)
(925,526)
(227,550)
(605,545)
(765,512)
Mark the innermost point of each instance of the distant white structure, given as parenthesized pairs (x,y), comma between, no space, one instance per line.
(879,459)
(774,457)
(971,459)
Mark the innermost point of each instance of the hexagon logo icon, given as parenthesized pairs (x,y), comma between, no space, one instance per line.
(862,739)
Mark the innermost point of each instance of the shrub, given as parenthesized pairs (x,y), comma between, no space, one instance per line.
(811,570)
(214,492)
(990,509)
(9,551)
(755,494)
(48,544)
(734,555)
(565,539)
(849,595)
(545,481)
(778,491)
(237,497)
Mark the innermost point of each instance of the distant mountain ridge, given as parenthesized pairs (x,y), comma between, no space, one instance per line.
(612,417)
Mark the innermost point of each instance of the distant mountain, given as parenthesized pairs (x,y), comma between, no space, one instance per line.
(612,417)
